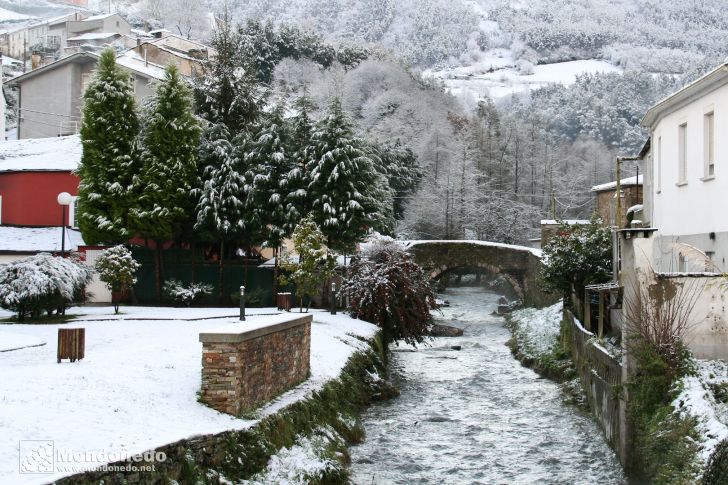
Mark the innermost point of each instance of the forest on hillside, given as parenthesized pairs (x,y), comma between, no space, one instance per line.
(492,167)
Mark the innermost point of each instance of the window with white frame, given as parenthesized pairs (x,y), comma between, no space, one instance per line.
(658,164)
(73,213)
(682,154)
(709,141)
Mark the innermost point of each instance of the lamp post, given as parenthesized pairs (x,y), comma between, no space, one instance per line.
(333,298)
(64,200)
(242,303)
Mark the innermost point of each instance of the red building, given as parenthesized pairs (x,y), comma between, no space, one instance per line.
(32,174)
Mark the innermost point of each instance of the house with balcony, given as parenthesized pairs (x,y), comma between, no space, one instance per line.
(683,241)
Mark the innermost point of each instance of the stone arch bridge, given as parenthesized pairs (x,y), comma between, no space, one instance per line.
(519,265)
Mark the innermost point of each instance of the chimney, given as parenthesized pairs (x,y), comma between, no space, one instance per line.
(35,60)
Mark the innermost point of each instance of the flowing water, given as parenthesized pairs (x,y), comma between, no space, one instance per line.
(476,416)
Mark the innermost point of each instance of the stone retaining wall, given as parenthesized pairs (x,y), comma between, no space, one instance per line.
(601,378)
(245,365)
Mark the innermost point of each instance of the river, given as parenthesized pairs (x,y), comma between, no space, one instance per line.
(476,416)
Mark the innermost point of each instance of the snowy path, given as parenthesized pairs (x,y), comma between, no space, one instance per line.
(136,388)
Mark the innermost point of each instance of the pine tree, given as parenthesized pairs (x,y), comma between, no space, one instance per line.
(221,205)
(109,160)
(227,93)
(348,196)
(302,152)
(170,140)
(269,161)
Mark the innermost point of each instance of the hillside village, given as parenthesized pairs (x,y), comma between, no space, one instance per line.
(242,231)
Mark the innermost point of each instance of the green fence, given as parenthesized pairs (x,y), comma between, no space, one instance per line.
(177,264)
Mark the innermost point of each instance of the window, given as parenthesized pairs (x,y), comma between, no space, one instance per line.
(682,154)
(132,83)
(659,164)
(73,213)
(709,141)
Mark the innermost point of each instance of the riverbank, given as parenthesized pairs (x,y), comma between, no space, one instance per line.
(536,342)
(681,440)
(136,391)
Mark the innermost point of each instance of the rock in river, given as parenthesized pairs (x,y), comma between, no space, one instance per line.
(445,331)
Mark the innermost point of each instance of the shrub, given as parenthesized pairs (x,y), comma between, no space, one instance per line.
(388,288)
(717,469)
(314,265)
(185,295)
(41,283)
(116,268)
(577,255)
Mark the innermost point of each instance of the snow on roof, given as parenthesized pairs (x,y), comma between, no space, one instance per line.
(625,182)
(635,208)
(95,36)
(99,17)
(569,222)
(132,60)
(534,251)
(61,153)
(37,239)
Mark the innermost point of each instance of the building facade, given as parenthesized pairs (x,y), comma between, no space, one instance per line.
(51,97)
(687,177)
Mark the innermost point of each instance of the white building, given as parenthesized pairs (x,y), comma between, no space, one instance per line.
(684,246)
(687,175)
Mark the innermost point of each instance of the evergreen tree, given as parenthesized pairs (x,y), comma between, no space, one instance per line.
(170,140)
(109,160)
(302,152)
(227,93)
(221,204)
(348,196)
(269,161)
(259,44)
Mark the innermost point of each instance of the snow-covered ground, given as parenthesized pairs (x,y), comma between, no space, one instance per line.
(136,388)
(538,329)
(496,75)
(698,400)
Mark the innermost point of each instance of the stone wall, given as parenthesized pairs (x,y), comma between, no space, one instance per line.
(601,378)
(244,365)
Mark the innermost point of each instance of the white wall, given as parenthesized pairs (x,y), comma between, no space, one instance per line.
(100,293)
(699,206)
(707,337)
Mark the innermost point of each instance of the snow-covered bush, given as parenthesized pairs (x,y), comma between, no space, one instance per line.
(116,268)
(386,287)
(180,294)
(41,283)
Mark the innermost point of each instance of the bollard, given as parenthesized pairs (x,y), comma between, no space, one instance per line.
(333,298)
(242,303)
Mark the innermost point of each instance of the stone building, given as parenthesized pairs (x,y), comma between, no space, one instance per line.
(606,199)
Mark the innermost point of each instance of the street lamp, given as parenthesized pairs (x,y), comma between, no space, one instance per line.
(64,200)
(242,303)
(333,298)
